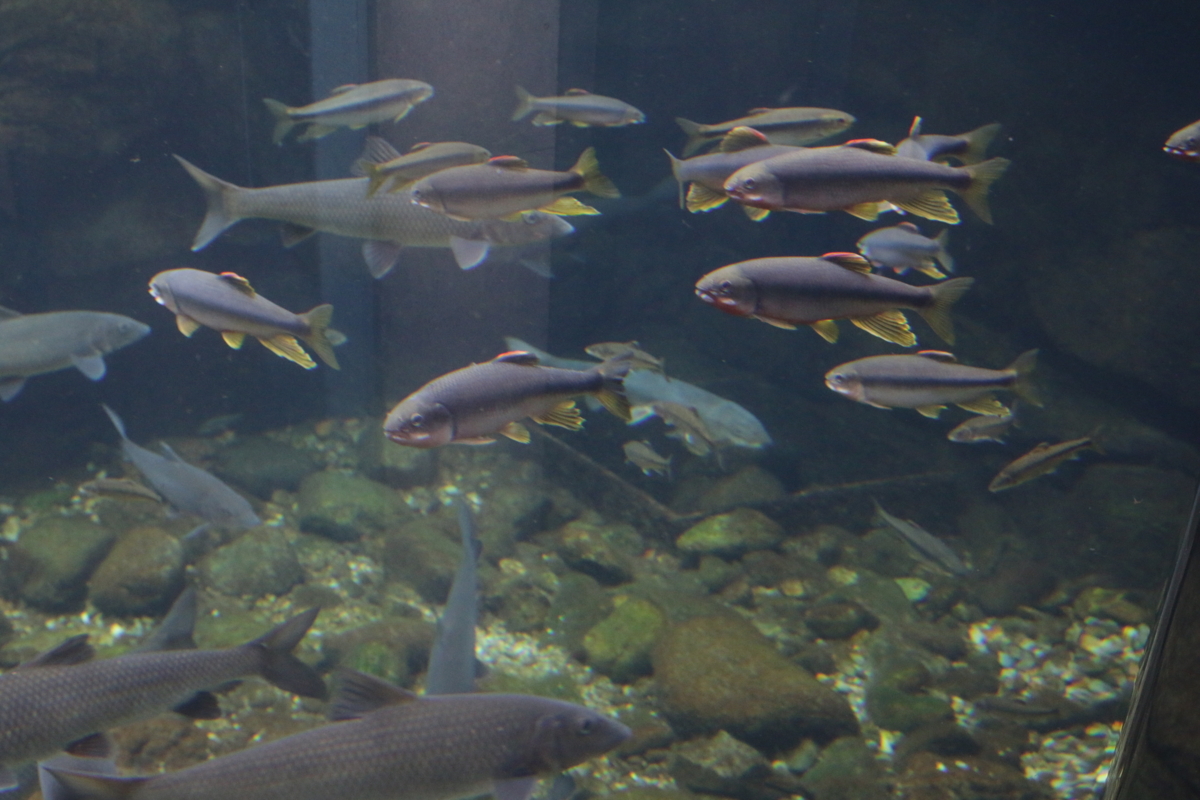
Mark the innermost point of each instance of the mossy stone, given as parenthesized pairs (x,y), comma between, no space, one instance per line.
(424,554)
(140,575)
(578,605)
(555,685)
(345,507)
(396,650)
(262,466)
(839,620)
(731,535)
(64,552)
(619,646)
(896,710)
(605,552)
(258,563)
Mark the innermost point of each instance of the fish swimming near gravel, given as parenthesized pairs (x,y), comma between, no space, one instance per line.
(120,488)
(187,488)
(1184,143)
(930,380)
(903,247)
(579,107)
(705,176)
(452,662)
(36,344)
(475,404)
(863,178)
(924,542)
(982,429)
(795,126)
(793,291)
(967,148)
(383,164)
(63,698)
(1041,460)
(389,745)
(638,358)
(351,106)
(643,456)
(686,426)
(388,221)
(227,303)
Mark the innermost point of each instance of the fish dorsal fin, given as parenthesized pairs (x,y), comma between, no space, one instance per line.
(575,92)
(938,355)
(508,162)
(908,226)
(238,282)
(754,111)
(357,694)
(914,130)
(521,357)
(8,313)
(75,650)
(872,146)
(378,150)
(851,261)
(345,87)
(742,138)
(175,630)
(419,146)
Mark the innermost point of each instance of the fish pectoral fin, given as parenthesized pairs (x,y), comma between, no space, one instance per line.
(564,415)
(891,326)
(292,234)
(356,694)
(74,650)
(287,347)
(701,198)
(10,388)
(775,323)
(641,413)
(380,256)
(930,411)
(201,705)
(931,204)
(468,253)
(756,214)
(986,405)
(475,440)
(187,326)
(569,207)
(868,211)
(234,339)
(827,329)
(91,365)
(514,788)
(516,431)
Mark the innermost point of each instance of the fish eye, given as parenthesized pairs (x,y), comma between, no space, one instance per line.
(416,420)
(586,727)
(726,287)
(529,219)
(749,184)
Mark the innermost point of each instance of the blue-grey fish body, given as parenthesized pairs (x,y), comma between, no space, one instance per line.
(452,663)
(967,148)
(35,344)
(707,173)
(189,489)
(793,126)
(903,247)
(579,107)
(924,542)
(351,106)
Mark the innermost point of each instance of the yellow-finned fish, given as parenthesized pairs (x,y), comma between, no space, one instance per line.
(1184,143)
(903,247)
(355,105)
(643,456)
(797,125)
(1041,460)
(381,163)
(967,148)
(579,107)
(707,174)
(982,429)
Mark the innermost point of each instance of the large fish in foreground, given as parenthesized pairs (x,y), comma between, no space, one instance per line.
(388,221)
(351,106)
(579,107)
(35,344)
(797,125)
(63,696)
(707,174)
(389,745)
(1184,143)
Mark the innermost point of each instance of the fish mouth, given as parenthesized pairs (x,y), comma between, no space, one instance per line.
(706,296)
(408,438)
(1182,153)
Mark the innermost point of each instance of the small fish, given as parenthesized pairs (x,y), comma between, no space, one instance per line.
(389,745)
(1041,460)
(120,488)
(687,426)
(228,304)
(792,126)
(355,105)
(474,404)
(380,162)
(214,426)
(982,429)
(189,489)
(63,698)
(388,221)
(967,148)
(579,107)
(506,185)
(787,292)
(707,174)
(643,456)
(924,542)
(638,358)
(930,380)
(36,344)
(863,178)
(903,247)
(1184,143)
(452,662)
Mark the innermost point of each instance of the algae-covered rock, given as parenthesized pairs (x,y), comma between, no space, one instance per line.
(604,551)
(262,466)
(394,464)
(63,551)
(619,646)
(927,775)
(731,535)
(724,766)
(424,554)
(346,508)
(141,574)
(578,605)
(718,672)
(897,710)
(1095,601)
(260,562)
(750,484)
(396,650)
(839,620)
(846,769)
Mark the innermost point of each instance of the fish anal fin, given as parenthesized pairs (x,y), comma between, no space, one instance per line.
(468,253)
(890,325)
(238,282)
(75,650)
(287,347)
(564,415)
(827,329)
(930,411)
(475,440)
(94,745)
(521,357)
(8,313)
(515,431)
(356,694)
(701,198)
(931,204)
(201,705)
(569,207)
(742,138)
(851,261)
(380,256)
(867,211)
(775,323)
(986,405)
(234,339)
(756,214)
(292,234)
(545,119)
(316,131)
(90,364)
(187,326)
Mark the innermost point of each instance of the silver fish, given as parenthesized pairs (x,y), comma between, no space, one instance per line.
(452,660)
(1184,143)
(35,344)
(579,107)
(1041,460)
(982,429)
(707,174)
(351,106)
(643,456)
(388,221)
(389,745)
(189,489)
(639,358)
(122,488)
(903,247)
(924,542)
(380,162)
(228,304)
(968,148)
(793,126)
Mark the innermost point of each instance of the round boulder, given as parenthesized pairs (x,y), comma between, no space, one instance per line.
(140,575)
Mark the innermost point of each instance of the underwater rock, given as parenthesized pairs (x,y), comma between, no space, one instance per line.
(604,551)
(346,508)
(394,464)
(731,535)
(167,741)
(940,738)
(722,765)
(141,575)
(64,552)
(946,639)
(894,696)
(1017,581)
(882,552)
(619,646)
(396,650)
(424,554)
(578,605)
(262,466)
(260,562)
(839,620)
(650,732)
(1110,604)
(652,793)
(846,769)
(716,573)
(750,484)
(718,672)
(926,775)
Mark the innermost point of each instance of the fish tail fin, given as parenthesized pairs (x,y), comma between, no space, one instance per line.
(612,391)
(218,194)
(978,142)
(943,252)
(594,180)
(321,338)
(695,139)
(945,294)
(675,165)
(982,177)
(524,104)
(1023,367)
(279,666)
(283,122)
(116,421)
(83,786)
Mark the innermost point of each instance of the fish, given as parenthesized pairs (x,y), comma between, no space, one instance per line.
(506,185)
(923,542)
(639,358)
(1184,143)
(967,148)
(579,107)
(982,429)
(388,744)
(381,163)
(121,488)
(903,247)
(37,344)
(930,380)
(389,222)
(792,291)
(63,698)
(452,662)
(792,126)
(228,303)
(474,404)
(707,174)
(355,105)
(863,178)
(1041,460)
(687,426)
(187,488)
(214,426)
(643,456)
